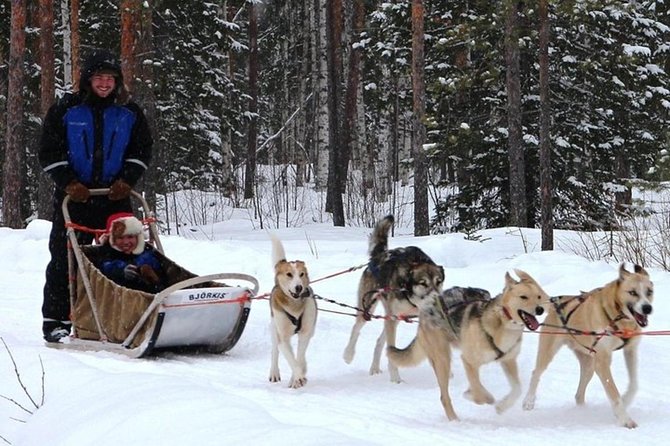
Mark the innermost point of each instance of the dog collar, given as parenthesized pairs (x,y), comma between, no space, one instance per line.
(507,313)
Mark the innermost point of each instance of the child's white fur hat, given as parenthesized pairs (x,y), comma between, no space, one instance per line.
(125,223)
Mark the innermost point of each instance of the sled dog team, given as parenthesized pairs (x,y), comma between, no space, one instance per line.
(485,329)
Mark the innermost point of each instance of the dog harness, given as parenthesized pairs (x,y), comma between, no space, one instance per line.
(565,318)
(297,321)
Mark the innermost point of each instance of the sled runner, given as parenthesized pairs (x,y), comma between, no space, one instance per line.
(193,313)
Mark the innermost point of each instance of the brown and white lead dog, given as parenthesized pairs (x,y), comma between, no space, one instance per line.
(621,308)
(293,311)
(485,330)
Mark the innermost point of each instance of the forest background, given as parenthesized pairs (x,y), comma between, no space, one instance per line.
(529,114)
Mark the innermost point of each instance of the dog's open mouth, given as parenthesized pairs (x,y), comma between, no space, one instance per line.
(306,292)
(640,318)
(529,320)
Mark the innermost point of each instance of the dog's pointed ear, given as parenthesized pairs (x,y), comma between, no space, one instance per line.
(623,272)
(640,270)
(509,280)
(524,276)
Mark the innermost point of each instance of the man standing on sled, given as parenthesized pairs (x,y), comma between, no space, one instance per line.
(93,139)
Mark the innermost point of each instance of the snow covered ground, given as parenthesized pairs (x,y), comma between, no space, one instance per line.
(105,399)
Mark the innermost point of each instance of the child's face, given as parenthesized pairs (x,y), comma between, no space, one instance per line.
(126,243)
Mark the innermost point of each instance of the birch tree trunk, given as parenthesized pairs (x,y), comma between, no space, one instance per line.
(546,211)
(323,119)
(12,187)
(517,174)
(68,75)
(47,95)
(74,42)
(146,97)
(3,99)
(419,107)
(404,129)
(227,168)
(301,123)
(386,156)
(250,172)
(361,131)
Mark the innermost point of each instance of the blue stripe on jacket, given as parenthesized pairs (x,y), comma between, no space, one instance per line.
(117,127)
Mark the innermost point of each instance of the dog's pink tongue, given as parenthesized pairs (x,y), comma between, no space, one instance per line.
(529,320)
(641,319)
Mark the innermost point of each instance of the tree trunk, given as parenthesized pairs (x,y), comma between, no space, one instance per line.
(335,174)
(74,42)
(322,117)
(250,172)
(47,95)
(68,75)
(517,178)
(421,226)
(13,189)
(351,98)
(129,17)
(227,168)
(3,106)
(143,89)
(546,212)
(301,125)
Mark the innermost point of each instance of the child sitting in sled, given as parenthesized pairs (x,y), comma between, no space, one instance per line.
(126,259)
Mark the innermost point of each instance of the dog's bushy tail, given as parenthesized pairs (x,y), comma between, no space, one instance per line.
(278,253)
(380,236)
(410,356)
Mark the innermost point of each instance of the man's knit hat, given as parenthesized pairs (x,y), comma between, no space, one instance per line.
(125,223)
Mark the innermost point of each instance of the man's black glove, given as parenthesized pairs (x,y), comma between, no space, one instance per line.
(77,191)
(119,190)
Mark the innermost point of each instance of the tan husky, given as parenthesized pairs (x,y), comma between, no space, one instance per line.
(293,311)
(596,323)
(403,279)
(485,330)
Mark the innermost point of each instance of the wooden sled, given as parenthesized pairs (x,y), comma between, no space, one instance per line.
(193,313)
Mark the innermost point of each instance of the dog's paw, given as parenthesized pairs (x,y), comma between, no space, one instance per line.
(394,375)
(375,370)
(529,403)
(629,423)
(274,377)
(297,383)
(480,398)
(502,406)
